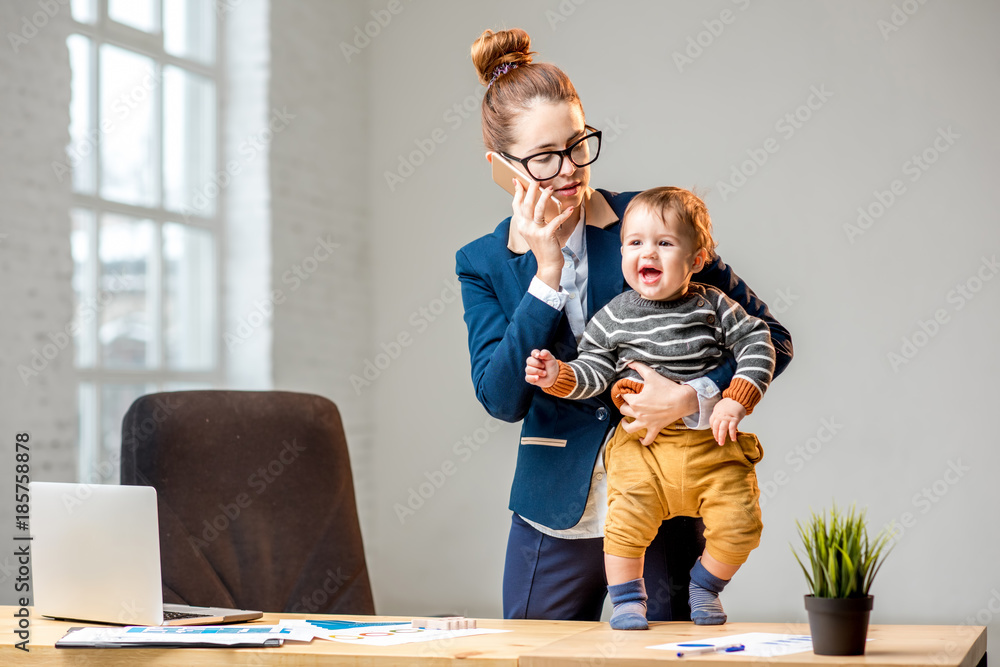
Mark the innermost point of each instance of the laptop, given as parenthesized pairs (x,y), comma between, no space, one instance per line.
(95,556)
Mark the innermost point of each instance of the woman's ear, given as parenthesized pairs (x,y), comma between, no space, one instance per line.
(489,157)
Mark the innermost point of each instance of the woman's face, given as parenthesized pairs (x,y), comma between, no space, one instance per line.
(550,126)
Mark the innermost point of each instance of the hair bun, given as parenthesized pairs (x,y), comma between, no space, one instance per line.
(493,49)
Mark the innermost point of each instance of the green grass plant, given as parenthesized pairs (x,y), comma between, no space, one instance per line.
(843,562)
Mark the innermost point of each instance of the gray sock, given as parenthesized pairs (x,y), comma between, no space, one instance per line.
(629,600)
(703,596)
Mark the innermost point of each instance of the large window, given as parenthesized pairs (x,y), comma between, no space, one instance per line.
(143,153)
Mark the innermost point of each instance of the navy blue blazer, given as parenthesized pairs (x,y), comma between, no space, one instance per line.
(560,439)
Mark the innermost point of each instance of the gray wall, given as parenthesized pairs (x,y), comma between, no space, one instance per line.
(910,438)
(318,201)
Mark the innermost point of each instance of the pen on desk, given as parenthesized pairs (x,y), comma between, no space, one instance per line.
(699,649)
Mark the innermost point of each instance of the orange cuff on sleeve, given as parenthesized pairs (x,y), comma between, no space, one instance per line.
(565,382)
(743,393)
(622,387)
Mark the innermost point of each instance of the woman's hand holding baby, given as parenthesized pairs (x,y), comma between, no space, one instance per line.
(660,403)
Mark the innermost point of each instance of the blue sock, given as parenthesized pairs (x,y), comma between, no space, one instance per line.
(629,600)
(703,596)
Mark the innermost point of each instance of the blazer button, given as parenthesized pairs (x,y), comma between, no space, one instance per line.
(602,413)
(711,319)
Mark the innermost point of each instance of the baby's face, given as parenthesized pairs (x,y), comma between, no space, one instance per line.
(658,255)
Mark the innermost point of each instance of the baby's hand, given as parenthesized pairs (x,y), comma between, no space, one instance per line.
(725,418)
(541,369)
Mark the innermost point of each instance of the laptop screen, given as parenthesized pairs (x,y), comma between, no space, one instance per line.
(95,553)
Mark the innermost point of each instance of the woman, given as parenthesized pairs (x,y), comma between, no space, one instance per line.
(533,284)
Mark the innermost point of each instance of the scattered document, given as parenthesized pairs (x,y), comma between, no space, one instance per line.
(203,636)
(320,629)
(388,634)
(759,644)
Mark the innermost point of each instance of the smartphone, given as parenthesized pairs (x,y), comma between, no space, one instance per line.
(504,171)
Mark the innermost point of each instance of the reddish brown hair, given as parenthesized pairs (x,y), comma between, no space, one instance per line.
(517,89)
(689,208)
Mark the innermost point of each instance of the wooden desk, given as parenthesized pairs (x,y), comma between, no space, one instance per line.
(496,650)
(888,645)
(531,643)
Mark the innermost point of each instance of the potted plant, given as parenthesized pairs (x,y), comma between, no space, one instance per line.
(843,563)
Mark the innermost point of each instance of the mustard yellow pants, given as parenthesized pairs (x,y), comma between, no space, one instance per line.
(683,473)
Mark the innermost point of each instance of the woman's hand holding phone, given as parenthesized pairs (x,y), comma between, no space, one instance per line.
(542,237)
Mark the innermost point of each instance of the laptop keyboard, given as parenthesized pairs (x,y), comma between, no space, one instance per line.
(174,615)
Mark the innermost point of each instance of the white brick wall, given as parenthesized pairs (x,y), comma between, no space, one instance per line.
(247,215)
(35,261)
(295,215)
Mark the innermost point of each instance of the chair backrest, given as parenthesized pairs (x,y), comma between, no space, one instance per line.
(255,499)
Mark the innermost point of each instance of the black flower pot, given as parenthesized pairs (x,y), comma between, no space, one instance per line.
(839,626)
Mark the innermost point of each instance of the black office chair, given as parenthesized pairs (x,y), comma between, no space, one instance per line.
(256,500)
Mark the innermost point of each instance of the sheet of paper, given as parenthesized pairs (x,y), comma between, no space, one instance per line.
(214,634)
(320,629)
(758,644)
(393,635)
(211,631)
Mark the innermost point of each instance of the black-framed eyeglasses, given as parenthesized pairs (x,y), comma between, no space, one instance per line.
(545,166)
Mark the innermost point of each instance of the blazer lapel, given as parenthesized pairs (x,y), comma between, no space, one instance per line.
(604,261)
(524,267)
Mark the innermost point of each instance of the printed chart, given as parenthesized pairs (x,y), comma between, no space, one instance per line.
(389,634)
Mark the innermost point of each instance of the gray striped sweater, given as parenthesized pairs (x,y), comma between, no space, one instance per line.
(681,339)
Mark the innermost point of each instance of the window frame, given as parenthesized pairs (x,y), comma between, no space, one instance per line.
(91,458)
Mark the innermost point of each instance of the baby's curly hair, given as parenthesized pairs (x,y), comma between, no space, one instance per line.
(689,207)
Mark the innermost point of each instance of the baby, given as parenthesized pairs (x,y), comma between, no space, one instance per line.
(682,330)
